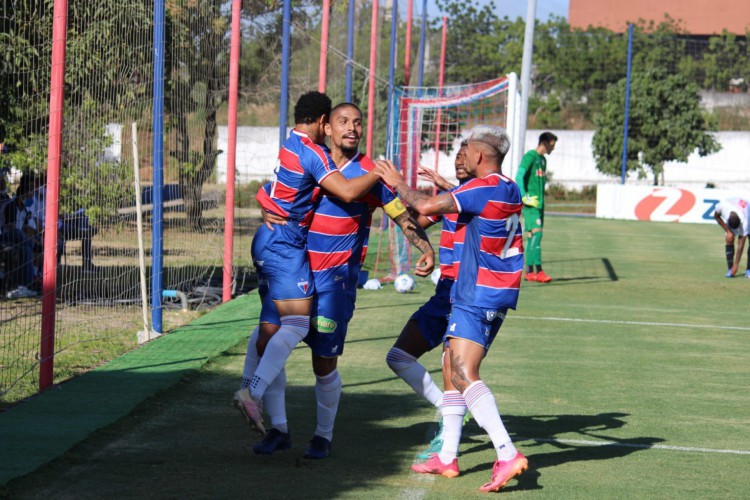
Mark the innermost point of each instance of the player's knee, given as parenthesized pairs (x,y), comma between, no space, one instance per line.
(323,367)
(399,360)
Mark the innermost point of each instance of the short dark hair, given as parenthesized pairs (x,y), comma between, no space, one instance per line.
(733,221)
(26,184)
(547,137)
(311,106)
(344,105)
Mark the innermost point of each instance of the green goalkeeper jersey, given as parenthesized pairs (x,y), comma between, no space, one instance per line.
(532,176)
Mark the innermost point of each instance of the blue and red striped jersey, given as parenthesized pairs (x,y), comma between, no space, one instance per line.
(301,167)
(447,235)
(337,241)
(488,245)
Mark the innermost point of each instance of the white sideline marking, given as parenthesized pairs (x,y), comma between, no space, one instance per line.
(639,323)
(635,445)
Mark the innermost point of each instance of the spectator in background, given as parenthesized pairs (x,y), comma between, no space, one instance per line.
(70,227)
(16,246)
(733,215)
(531,179)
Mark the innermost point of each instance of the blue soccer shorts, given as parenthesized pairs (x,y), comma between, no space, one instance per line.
(331,312)
(475,324)
(280,258)
(432,317)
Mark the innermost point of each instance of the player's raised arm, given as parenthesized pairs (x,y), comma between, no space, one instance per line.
(422,203)
(349,190)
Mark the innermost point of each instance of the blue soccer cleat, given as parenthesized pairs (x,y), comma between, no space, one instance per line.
(319,448)
(274,441)
(747,274)
(729,274)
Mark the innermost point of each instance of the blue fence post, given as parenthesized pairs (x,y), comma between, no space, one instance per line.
(157,214)
(349,51)
(391,79)
(420,78)
(627,106)
(285,43)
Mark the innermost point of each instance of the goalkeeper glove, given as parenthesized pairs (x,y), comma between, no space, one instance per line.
(530,201)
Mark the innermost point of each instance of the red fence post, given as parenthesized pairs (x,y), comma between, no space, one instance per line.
(52,195)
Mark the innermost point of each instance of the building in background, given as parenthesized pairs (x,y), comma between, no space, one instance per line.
(697,17)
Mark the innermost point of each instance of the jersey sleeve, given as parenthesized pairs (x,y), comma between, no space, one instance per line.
(472,196)
(321,164)
(522,176)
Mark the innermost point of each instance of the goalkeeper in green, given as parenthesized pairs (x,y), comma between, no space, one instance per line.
(531,178)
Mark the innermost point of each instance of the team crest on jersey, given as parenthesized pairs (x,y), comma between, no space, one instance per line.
(303,285)
(323,324)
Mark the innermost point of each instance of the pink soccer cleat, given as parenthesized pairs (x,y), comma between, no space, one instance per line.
(435,466)
(504,471)
(250,409)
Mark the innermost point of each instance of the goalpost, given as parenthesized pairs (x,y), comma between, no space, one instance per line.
(426,129)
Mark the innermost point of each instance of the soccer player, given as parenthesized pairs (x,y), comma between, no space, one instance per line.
(733,215)
(531,179)
(488,261)
(425,329)
(337,245)
(280,255)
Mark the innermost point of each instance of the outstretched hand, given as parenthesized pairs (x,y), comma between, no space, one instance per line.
(434,177)
(386,170)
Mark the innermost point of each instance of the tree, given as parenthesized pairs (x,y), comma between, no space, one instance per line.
(666,124)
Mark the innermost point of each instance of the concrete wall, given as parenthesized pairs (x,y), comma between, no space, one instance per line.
(571,164)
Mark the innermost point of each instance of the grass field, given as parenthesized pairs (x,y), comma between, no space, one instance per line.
(627,377)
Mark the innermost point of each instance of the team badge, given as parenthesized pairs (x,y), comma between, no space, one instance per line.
(490,315)
(303,285)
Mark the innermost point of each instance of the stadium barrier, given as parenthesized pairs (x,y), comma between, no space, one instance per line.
(662,204)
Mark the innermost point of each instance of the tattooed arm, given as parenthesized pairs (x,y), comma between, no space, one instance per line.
(417,237)
(423,203)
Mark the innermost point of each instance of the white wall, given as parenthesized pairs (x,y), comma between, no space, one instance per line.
(571,164)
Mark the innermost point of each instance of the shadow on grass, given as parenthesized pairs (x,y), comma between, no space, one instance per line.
(188,442)
(572,271)
(585,439)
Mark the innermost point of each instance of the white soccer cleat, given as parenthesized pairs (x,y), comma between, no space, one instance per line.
(250,409)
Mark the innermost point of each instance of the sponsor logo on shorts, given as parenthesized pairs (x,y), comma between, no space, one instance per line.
(303,285)
(453,327)
(323,324)
(539,222)
(490,315)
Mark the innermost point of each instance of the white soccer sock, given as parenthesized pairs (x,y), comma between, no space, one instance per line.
(413,373)
(251,358)
(293,329)
(482,406)
(274,402)
(328,394)
(452,410)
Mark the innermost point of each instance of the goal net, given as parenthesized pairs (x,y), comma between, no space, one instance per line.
(427,127)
